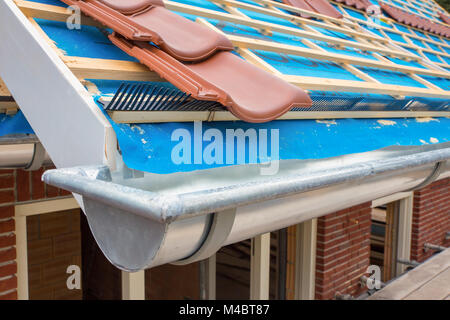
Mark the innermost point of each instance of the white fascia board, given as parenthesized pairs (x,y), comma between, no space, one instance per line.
(63,114)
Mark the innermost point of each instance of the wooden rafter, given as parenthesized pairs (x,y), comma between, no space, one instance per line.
(314,83)
(310,83)
(256,44)
(297,19)
(356,20)
(274,6)
(3,89)
(382,29)
(190,116)
(60,14)
(89,68)
(244,20)
(51,12)
(133,71)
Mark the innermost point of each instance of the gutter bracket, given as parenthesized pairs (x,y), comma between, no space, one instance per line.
(431,178)
(217,235)
(38,157)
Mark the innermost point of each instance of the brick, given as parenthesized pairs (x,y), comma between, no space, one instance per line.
(66,294)
(6,196)
(76,260)
(40,251)
(64,192)
(6,182)
(67,245)
(7,240)
(6,171)
(54,271)
(33,228)
(9,296)
(7,226)
(37,186)
(343,249)
(8,284)
(41,292)
(54,291)
(23,185)
(6,212)
(74,220)
(8,269)
(34,276)
(51,191)
(431,218)
(52,224)
(7,255)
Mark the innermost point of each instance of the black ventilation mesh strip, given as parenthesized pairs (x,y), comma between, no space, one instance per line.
(154,97)
(345,103)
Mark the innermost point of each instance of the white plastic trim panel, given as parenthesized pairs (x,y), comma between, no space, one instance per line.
(62,113)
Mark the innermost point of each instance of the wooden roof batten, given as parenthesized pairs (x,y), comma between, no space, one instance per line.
(132,71)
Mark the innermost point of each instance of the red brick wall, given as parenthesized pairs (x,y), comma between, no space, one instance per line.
(16,186)
(54,243)
(343,251)
(8,267)
(431,218)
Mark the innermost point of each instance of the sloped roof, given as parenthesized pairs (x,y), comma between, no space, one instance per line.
(350,67)
(445,18)
(319,6)
(416,21)
(320,53)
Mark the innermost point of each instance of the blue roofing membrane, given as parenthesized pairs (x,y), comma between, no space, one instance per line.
(202,3)
(300,66)
(355,14)
(150,147)
(14,124)
(52,2)
(91,42)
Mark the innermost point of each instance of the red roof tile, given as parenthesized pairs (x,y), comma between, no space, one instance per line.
(444,18)
(324,7)
(194,58)
(181,38)
(414,20)
(130,7)
(301,4)
(248,92)
(358,4)
(318,6)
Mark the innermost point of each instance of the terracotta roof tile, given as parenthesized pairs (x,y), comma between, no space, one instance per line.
(301,4)
(324,7)
(179,37)
(414,20)
(194,58)
(318,6)
(358,4)
(444,18)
